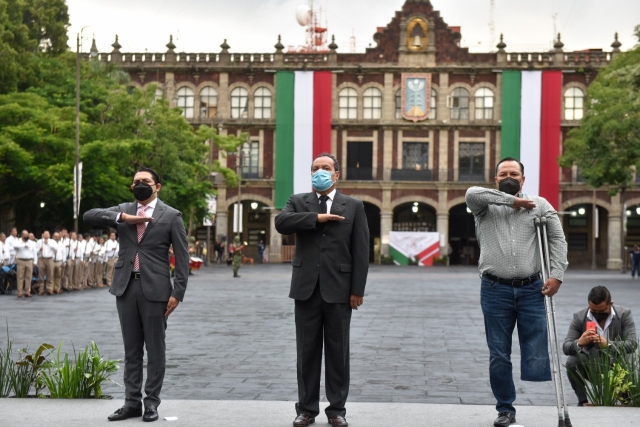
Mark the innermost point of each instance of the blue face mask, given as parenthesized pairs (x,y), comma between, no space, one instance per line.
(321,180)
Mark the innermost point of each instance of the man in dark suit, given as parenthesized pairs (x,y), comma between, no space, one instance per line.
(614,329)
(144,294)
(329,276)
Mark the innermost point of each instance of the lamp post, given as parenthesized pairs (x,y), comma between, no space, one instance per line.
(76,209)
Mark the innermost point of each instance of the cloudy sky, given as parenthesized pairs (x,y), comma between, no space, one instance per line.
(253,25)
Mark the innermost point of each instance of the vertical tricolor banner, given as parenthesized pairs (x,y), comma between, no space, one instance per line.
(531,103)
(303,128)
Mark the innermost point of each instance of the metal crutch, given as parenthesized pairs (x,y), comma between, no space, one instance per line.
(552,325)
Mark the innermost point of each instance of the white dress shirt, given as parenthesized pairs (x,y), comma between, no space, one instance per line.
(26,250)
(111,248)
(1,253)
(47,250)
(10,241)
(603,332)
(73,246)
(151,206)
(61,253)
(88,250)
(80,247)
(329,200)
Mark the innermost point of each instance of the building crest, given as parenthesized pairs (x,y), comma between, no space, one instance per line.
(415,103)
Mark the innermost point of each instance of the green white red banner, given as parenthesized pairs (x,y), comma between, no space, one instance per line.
(420,246)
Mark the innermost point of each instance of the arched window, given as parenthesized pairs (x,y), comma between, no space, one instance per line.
(239,103)
(186,101)
(348,103)
(484,104)
(262,103)
(433,107)
(208,102)
(372,103)
(398,104)
(159,94)
(573,104)
(459,104)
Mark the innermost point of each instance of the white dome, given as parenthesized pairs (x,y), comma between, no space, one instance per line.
(302,15)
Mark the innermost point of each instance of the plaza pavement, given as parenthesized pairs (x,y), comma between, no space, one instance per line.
(418,338)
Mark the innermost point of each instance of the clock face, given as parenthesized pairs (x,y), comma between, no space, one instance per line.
(417,35)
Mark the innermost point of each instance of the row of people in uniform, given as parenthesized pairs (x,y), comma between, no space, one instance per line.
(66,261)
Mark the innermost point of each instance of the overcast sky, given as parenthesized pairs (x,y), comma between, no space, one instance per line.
(253,25)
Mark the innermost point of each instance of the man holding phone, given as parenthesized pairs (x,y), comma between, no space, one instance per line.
(595,328)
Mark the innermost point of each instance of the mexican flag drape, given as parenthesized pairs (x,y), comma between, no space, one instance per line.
(531,104)
(303,129)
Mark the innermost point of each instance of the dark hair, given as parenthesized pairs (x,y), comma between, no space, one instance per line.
(154,174)
(510,159)
(86,235)
(336,165)
(599,294)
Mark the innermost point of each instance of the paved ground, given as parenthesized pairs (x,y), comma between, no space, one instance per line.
(418,338)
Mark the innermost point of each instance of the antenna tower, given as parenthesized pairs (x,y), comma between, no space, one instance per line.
(310,17)
(492,27)
(352,41)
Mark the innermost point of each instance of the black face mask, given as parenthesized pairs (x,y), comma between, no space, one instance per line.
(600,316)
(509,186)
(142,191)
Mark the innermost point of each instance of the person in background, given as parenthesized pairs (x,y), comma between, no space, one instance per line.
(26,258)
(261,247)
(71,261)
(236,254)
(87,278)
(46,247)
(614,329)
(96,256)
(112,247)
(635,261)
(58,262)
(3,238)
(218,247)
(78,272)
(11,239)
(64,241)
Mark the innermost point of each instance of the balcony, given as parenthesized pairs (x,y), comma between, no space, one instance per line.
(254,173)
(470,177)
(411,175)
(359,173)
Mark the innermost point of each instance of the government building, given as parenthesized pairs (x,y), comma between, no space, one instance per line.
(414,121)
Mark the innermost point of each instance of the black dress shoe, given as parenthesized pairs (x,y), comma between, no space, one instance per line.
(338,420)
(583,402)
(150,414)
(303,420)
(125,412)
(505,419)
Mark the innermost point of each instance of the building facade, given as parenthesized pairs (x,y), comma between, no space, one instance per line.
(411,175)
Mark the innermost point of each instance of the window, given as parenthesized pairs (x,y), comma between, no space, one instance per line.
(158,95)
(262,103)
(348,103)
(484,104)
(471,161)
(573,103)
(415,155)
(239,103)
(208,102)
(459,104)
(250,152)
(186,101)
(398,104)
(372,103)
(434,104)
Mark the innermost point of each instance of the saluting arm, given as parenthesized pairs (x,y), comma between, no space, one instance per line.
(479,198)
(102,217)
(289,221)
(359,252)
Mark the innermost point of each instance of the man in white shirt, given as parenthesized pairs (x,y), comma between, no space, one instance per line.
(78,271)
(112,247)
(3,237)
(64,242)
(58,260)
(47,248)
(71,262)
(96,260)
(88,261)
(13,238)
(26,257)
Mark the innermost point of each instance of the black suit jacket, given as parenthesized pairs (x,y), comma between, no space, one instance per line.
(165,230)
(335,253)
(621,331)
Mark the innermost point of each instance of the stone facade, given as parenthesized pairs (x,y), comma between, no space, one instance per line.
(389,191)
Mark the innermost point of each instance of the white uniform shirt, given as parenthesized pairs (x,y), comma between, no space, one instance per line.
(102,255)
(111,248)
(96,251)
(61,253)
(80,249)
(329,200)
(603,332)
(73,246)
(26,250)
(89,248)
(1,253)
(47,250)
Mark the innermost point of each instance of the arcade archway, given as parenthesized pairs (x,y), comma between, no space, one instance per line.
(462,236)
(582,237)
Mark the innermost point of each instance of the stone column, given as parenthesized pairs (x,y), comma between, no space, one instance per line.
(170,88)
(614,262)
(275,241)
(442,220)
(386,219)
(388,99)
(221,224)
(224,107)
(387,155)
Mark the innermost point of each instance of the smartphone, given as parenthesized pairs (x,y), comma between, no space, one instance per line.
(591,325)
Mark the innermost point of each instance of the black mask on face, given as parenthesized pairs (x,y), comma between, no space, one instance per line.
(509,185)
(600,316)
(142,191)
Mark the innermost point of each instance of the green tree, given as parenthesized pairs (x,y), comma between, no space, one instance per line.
(606,146)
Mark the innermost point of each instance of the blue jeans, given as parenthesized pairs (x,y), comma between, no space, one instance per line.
(502,307)
(635,267)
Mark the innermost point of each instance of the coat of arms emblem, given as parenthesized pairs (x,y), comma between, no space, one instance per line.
(415,96)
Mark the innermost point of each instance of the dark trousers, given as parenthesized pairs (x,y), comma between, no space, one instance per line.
(143,324)
(318,321)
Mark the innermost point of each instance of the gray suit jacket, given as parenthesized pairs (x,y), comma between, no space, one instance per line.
(335,253)
(165,230)
(622,332)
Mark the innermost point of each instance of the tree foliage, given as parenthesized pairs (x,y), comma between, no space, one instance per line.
(606,146)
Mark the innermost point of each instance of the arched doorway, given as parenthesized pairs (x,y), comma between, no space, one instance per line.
(255,226)
(373,220)
(578,225)
(633,229)
(462,236)
(414,216)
